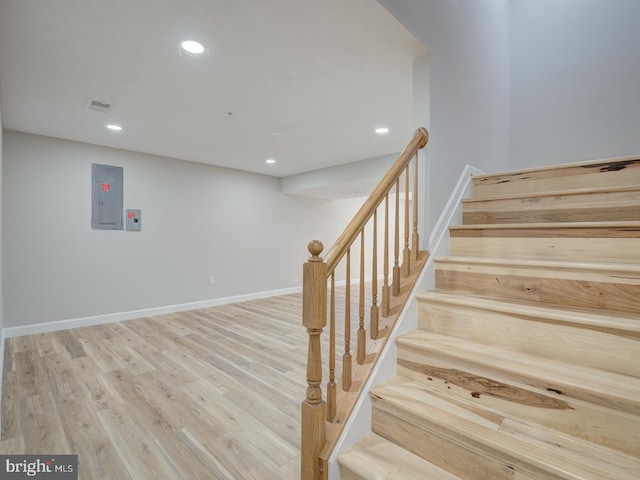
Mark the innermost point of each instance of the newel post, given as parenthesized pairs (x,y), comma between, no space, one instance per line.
(314,318)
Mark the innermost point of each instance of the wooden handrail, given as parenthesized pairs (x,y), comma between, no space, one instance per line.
(349,235)
(322,421)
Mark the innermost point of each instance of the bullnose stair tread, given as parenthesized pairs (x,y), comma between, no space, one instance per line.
(555,193)
(623,389)
(603,267)
(623,322)
(519,442)
(559,166)
(548,225)
(376,458)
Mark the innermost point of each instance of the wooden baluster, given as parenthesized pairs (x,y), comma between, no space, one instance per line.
(415,238)
(314,317)
(346,358)
(395,290)
(406,253)
(362,334)
(331,385)
(386,289)
(374,280)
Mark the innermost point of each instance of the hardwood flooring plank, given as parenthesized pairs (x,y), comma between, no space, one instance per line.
(273,378)
(150,336)
(8,362)
(259,386)
(159,420)
(133,361)
(170,326)
(41,426)
(239,460)
(23,344)
(31,380)
(128,337)
(101,393)
(270,414)
(200,371)
(273,449)
(11,418)
(208,346)
(133,442)
(172,372)
(191,460)
(46,344)
(12,445)
(71,343)
(97,350)
(187,414)
(194,323)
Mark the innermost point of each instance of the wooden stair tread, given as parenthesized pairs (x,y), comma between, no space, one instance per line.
(622,391)
(562,265)
(627,323)
(586,163)
(600,173)
(525,403)
(524,445)
(553,226)
(555,193)
(375,458)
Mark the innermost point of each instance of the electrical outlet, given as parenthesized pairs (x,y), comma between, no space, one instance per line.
(212,280)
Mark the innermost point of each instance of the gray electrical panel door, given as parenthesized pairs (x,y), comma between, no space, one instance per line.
(107,197)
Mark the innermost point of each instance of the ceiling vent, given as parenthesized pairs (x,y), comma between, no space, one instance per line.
(99,106)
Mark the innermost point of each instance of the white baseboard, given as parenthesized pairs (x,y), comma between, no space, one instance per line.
(35,328)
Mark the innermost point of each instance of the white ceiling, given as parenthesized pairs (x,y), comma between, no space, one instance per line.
(307,81)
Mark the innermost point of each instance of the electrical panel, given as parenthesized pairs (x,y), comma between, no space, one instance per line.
(107,197)
(133,220)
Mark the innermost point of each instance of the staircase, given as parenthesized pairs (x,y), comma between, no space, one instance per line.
(526,362)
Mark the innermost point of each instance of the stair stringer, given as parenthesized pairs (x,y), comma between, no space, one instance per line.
(359,423)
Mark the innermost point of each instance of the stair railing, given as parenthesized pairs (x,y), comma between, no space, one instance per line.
(318,415)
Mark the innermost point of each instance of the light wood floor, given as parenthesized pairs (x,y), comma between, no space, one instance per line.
(207,394)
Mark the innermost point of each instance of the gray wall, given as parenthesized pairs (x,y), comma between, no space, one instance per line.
(575,76)
(1,221)
(468,41)
(197,221)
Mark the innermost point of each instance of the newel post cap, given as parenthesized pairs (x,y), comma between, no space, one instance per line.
(315,248)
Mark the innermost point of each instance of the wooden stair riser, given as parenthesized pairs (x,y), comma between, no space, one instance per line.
(588,421)
(594,243)
(432,444)
(524,334)
(590,206)
(582,288)
(524,377)
(474,447)
(609,173)
(479,444)
(375,458)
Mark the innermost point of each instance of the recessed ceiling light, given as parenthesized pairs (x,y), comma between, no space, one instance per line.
(114,127)
(270,161)
(382,130)
(191,46)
